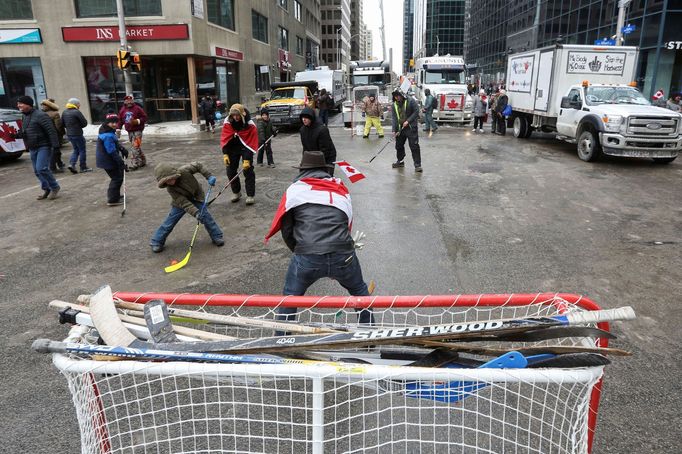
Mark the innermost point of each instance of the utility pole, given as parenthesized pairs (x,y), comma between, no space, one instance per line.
(622,5)
(124,45)
(383,33)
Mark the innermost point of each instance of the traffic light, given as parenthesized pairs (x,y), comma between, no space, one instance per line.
(123,59)
(137,62)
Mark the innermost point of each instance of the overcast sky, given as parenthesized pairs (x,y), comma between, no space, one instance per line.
(393,15)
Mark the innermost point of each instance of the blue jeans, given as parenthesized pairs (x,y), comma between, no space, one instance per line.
(305,269)
(429,124)
(159,238)
(78,143)
(40,158)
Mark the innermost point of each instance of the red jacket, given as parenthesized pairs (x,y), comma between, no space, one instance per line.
(127,117)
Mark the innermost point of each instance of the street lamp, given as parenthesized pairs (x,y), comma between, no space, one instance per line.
(338,48)
(622,4)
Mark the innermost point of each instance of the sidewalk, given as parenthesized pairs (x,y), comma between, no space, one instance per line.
(171,128)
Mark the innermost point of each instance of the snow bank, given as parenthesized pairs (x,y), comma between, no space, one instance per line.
(171,128)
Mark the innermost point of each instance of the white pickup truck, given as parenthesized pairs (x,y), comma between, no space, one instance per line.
(584,94)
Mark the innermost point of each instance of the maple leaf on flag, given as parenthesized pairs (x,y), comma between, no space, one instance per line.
(353,174)
(7,132)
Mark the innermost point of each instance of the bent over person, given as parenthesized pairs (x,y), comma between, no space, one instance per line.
(188,197)
(315,216)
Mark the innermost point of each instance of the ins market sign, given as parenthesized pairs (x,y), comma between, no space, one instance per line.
(133,33)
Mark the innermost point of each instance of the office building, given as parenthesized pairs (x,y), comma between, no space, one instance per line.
(503,27)
(336,23)
(408,38)
(233,49)
(438,28)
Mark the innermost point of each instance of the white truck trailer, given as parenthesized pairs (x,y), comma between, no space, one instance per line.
(330,79)
(586,95)
(446,78)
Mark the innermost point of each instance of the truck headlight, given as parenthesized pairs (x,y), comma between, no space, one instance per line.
(612,123)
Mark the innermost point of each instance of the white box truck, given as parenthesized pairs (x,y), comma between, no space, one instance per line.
(446,78)
(586,95)
(330,79)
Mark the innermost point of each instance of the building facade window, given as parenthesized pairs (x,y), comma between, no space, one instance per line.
(221,12)
(260,26)
(284,4)
(299,45)
(283,38)
(297,10)
(15,10)
(262,73)
(107,8)
(21,77)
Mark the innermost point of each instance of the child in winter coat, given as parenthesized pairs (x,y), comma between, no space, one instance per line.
(265,131)
(108,157)
(188,197)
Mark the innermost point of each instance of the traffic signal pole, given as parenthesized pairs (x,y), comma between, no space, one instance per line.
(124,46)
(622,4)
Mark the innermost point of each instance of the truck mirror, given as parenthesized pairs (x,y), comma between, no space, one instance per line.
(566,103)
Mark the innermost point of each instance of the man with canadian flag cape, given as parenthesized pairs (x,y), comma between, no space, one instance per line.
(239,142)
(315,217)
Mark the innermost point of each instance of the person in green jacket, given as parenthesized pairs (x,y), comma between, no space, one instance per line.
(265,131)
(188,197)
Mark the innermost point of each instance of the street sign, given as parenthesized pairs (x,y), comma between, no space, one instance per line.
(629,28)
(605,42)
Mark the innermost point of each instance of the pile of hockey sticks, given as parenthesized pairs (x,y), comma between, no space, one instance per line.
(147,332)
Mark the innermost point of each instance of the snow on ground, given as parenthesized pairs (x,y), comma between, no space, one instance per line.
(171,128)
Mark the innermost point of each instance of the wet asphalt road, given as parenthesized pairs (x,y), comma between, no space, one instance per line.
(488,215)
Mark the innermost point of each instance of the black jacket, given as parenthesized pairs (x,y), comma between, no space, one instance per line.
(316,229)
(502,102)
(37,130)
(316,137)
(207,107)
(265,131)
(74,122)
(410,112)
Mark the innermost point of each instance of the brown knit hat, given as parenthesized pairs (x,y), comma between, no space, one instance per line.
(238,109)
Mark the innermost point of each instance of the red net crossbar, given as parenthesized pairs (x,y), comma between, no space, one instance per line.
(558,300)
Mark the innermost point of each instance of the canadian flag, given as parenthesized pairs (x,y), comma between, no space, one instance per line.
(353,174)
(658,95)
(321,191)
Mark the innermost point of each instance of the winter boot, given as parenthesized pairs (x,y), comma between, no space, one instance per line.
(44,195)
(54,194)
(398,164)
(250,200)
(235,197)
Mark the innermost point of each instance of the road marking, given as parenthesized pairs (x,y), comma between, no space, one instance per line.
(24,190)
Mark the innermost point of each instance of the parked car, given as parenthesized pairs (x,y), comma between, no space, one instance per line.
(10,123)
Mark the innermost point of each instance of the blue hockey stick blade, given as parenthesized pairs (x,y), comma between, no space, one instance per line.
(458,390)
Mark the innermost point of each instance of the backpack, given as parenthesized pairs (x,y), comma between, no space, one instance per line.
(434,103)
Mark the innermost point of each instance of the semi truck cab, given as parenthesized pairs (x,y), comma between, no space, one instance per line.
(617,120)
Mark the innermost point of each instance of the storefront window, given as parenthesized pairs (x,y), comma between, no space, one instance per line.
(106,87)
(260,26)
(21,77)
(106,8)
(221,12)
(15,10)
(262,73)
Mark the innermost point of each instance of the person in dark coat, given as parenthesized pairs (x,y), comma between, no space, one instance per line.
(108,154)
(265,131)
(207,107)
(52,110)
(500,105)
(40,136)
(187,197)
(74,122)
(315,216)
(239,143)
(405,128)
(315,137)
(323,102)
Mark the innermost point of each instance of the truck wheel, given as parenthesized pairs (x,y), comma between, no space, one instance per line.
(520,127)
(664,160)
(529,132)
(589,148)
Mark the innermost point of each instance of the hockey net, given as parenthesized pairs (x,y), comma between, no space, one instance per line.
(140,407)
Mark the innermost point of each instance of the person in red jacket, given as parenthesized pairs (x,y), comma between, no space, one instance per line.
(239,142)
(133,118)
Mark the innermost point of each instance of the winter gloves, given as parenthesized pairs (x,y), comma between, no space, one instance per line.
(211,180)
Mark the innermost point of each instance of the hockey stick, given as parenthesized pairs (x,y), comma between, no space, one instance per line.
(238,173)
(158,322)
(390,140)
(106,320)
(125,170)
(183,262)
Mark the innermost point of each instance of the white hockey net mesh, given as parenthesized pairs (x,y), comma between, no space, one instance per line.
(164,407)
